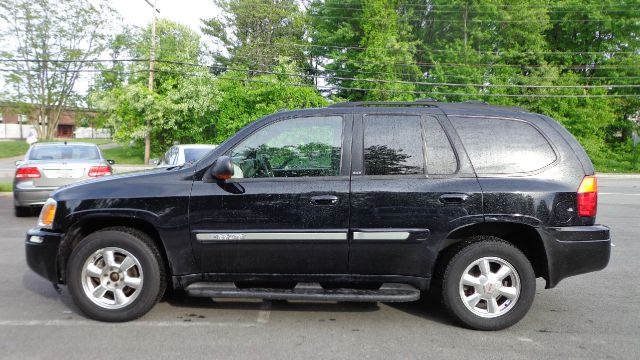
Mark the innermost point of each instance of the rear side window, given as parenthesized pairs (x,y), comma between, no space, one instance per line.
(441,160)
(503,146)
(393,145)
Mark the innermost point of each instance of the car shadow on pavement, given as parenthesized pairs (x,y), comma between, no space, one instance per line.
(178,299)
(428,308)
(39,286)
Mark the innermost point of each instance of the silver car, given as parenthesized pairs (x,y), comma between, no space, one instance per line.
(48,166)
(187,153)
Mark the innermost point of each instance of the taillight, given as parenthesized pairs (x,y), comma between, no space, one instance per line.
(96,171)
(588,197)
(27,173)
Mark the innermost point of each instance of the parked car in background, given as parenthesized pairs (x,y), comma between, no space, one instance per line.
(48,166)
(187,153)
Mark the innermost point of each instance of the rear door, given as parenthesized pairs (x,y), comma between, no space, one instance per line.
(409,189)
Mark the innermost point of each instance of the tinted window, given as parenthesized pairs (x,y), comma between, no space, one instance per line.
(393,145)
(501,146)
(308,146)
(195,154)
(64,152)
(441,160)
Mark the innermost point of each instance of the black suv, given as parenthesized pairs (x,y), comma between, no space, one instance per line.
(353,202)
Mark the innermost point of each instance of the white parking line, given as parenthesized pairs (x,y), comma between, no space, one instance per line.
(264,313)
(626,194)
(126,324)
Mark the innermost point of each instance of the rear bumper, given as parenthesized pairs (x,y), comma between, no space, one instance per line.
(575,250)
(42,253)
(31,196)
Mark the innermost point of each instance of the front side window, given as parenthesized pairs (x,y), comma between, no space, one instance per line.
(393,145)
(299,147)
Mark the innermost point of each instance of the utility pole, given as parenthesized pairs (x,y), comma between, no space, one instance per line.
(152,55)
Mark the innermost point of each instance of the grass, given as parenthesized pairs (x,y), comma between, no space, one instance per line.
(13,148)
(624,163)
(6,187)
(126,154)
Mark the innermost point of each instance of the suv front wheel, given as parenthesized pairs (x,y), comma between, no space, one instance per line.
(116,274)
(488,285)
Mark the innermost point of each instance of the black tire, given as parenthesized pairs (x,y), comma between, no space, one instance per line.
(138,244)
(21,211)
(465,254)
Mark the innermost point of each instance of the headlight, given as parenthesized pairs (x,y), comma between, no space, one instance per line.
(47,214)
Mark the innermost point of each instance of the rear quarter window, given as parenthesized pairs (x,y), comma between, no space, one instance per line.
(503,146)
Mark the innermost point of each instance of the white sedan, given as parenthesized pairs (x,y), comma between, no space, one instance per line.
(181,154)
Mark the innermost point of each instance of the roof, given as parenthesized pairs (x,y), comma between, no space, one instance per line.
(64,143)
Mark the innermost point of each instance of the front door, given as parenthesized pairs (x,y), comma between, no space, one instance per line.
(408,191)
(286,210)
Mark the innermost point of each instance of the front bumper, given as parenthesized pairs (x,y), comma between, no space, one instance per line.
(575,250)
(42,253)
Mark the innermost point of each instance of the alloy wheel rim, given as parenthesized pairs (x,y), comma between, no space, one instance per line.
(112,278)
(490,287)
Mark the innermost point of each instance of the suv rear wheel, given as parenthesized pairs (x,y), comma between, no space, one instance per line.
(488,285)
(116,274)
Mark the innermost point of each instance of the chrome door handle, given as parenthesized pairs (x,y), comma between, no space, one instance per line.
(324,200)
(453,198)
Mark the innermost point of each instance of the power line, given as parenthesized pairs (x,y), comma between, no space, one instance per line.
(569,67)
(414,92)
(474,20)
(334,87)
(462,51)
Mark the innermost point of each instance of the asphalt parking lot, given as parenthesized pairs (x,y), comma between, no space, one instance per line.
(593,316)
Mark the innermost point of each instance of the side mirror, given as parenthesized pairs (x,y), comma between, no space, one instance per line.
(111,162)
(18,162)
(222,168)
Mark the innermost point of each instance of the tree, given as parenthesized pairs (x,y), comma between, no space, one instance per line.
(48,43)
(372,42)
(184,98)
(183,114)
(257,33)
(247,98)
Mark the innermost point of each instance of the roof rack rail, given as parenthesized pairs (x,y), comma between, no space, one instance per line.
(476,102)
(421,102)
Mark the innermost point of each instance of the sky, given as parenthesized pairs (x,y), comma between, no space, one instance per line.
(187,12)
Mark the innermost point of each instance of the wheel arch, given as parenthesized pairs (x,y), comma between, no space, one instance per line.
(524,237)
(87,225)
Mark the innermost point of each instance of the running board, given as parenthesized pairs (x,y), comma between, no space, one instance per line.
(306,291)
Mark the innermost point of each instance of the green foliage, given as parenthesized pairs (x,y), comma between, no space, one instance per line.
(6,187)
(528,52)
(380,46)
(13,148)
(181,114)
(183,102)
(246,101)
(127,154)
(256,33)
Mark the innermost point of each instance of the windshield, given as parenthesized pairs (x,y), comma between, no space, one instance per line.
(64,152)
(195,154)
